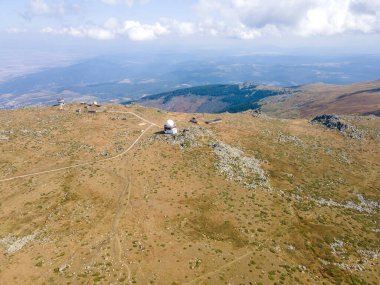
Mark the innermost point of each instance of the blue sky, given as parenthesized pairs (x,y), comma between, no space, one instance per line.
(346,25)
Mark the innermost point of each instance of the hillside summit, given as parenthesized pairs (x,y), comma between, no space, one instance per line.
(107,198)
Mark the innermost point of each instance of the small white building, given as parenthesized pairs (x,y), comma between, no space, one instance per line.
(60,103)
(170,127)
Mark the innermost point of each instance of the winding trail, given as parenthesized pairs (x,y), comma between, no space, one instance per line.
(90,162)
(126,191)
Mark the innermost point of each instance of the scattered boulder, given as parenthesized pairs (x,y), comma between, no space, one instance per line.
(337,247)
(285,138)
(194,120)
(369,254)
(240,168)
(105,153)
(5,132)
(13,244)
(365,206)
(119,149)
(335,122)
(255,113)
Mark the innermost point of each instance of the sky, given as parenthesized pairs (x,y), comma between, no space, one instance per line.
(347,26)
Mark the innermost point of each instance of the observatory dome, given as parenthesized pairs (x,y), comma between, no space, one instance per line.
(170,124)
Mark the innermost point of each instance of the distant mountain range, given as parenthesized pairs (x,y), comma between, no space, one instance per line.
(121,78)
(292,102)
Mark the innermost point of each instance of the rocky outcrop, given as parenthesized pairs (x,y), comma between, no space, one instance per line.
(230,161)
(185,138)
(240,168)
(13,244)
(257,113)
(337,123)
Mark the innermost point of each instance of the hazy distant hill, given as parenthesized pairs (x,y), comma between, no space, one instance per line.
(132,76)
(300,101)
(311,100)
(212,98)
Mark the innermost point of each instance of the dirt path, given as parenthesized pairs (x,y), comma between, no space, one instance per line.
(123,199)
(134,114)
(212,273)
(126,191)
(90,162)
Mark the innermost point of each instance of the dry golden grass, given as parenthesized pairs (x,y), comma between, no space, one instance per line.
(316,99)
(162,215)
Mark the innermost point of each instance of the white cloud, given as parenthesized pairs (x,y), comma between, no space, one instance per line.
(81,32)
(99,34)
(141,32)
(15,30)
(337,17)
(181,28)
(111,24)
(39,7)
(242,19)
(111,29)
(51,8)
(186,28)
(47,30)
(223,29)
(248,19)
(130,3)
(126,81)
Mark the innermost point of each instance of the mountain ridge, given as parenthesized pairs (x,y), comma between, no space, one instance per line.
(303,101)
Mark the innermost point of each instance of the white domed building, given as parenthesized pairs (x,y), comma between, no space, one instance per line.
(170,127)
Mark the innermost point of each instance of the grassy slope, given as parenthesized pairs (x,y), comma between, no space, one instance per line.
(176,217)
(315,99)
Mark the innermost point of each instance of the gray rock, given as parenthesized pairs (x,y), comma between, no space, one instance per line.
(284,138)
(237,167)
(14,243)
(185,138)
(337,123)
